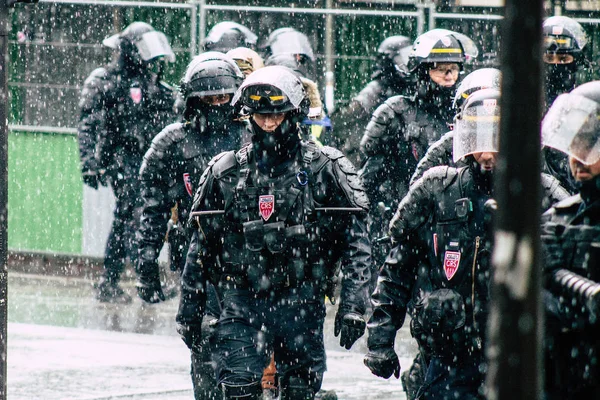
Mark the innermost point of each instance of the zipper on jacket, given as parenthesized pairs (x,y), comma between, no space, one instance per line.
(473,277)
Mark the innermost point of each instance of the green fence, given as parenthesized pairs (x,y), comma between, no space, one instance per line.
(44,192)
(56,44)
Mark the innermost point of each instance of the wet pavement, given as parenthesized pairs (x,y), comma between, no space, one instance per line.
(63,344)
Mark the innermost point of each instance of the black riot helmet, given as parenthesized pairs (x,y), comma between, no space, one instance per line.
(572,124)
(565,44)
(439,46)
(392,58)
(484,78)
(228,35)
(139,44)
(289,61)
(274,90)
(288,41)
(211,74)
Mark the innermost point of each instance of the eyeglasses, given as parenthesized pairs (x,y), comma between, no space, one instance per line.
(215,100)
(441,70)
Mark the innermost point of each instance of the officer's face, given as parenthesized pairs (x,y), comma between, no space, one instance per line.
(268,122)
(486,160)
(216,100)
(444,74)
(582,172)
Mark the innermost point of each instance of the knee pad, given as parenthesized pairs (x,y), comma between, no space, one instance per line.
(249,391)
(296,388)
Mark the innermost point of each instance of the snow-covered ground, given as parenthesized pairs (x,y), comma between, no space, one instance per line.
(64,345)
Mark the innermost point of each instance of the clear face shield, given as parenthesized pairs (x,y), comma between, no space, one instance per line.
(572,126)
(477,129)
(154,44)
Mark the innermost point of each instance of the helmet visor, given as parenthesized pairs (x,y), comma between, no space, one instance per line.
(218,30)
(154,44)
(572,126)
(264,97)
(477,129)
(560,27)
(292,42)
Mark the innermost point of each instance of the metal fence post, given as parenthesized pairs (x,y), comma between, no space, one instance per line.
(194,29)
(3,196)
(202,33)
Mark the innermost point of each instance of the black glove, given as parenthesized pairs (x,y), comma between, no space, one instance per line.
(383,362)
(90,178)
(351,325)
(553,254)
(92,175)
(148,284)
(191,336)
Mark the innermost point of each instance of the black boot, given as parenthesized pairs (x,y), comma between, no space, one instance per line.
(109,291)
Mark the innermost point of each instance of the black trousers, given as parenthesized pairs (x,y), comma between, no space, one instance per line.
(252,326)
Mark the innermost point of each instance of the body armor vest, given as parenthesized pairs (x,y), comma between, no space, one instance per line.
(274,227)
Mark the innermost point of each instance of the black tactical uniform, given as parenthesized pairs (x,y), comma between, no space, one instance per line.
(269,254)
(169,173)
(440,152)
(565,39)
(571,244)
(440,268)
(122,107)
(402,129)
(390,78)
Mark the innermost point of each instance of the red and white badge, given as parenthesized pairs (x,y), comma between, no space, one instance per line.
(188,184)
(451,262)
(266,206)
(136,94)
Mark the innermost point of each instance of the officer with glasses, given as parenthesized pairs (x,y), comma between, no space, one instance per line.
(402,128)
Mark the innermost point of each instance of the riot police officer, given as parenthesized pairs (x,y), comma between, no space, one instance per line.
(570,239)
(565,54)
(228,35)
(390,78)
(171,168)
(122,107)
(288,41)
(441,263)
(402,128)
(266,216)
(440,152)
(565,44)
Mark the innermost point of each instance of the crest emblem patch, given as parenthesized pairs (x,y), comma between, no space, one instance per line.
(188,184)
(136,94)
(266,206)
(451,262)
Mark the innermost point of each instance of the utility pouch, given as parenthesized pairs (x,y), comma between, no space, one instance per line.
(295,272)
(275,237)
(463,208)
(254,235)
